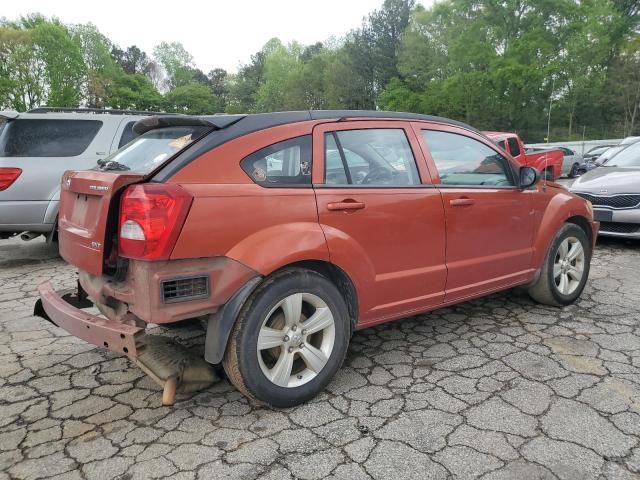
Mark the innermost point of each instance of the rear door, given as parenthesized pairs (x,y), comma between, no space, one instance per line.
(489,220)
(382,217)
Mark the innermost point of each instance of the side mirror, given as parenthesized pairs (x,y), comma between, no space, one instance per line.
(528,177)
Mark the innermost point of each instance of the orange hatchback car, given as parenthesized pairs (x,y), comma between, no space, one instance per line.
(290,230)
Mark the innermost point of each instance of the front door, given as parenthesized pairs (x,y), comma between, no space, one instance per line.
(490,221)
(382,217)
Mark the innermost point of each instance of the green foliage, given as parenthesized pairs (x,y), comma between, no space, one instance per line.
(192,98)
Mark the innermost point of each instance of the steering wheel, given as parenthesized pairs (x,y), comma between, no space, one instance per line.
(377,174)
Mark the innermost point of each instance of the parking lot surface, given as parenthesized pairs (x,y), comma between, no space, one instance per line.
(499,388)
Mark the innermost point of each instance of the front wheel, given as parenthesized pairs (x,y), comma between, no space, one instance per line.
(289,340)
(566,268)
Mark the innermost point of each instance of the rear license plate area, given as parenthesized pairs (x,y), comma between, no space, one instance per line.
(603,215)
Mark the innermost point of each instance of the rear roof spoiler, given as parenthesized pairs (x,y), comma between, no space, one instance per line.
(217,122)
(8,115)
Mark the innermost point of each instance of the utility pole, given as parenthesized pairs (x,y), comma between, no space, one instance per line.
(553,86)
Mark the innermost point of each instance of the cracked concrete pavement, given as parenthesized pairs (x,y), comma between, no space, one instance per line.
(499,388)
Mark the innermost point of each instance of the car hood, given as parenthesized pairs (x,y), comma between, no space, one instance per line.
(608,180)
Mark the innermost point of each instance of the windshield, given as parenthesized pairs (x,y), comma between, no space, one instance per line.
(629,157)
(148,151)
(610,153)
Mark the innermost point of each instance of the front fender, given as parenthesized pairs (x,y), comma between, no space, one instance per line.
(562,206)
(274,247)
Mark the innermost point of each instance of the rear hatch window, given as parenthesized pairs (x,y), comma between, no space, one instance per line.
(47,137)
(150,150)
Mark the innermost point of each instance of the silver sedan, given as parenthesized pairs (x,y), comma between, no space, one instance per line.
(614,191)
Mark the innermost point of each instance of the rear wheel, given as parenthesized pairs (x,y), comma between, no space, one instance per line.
(548,174)
(289,340)
(566,268)
(574,171)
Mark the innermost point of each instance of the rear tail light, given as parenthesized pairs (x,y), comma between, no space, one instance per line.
(151,217)
(8,176)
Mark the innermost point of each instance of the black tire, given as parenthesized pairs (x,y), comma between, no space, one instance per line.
(574,171)
(241,362)
(548,175)
(545,290)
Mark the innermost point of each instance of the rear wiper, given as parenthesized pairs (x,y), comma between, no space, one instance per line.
(111,165)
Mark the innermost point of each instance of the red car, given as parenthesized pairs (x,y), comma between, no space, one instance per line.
(291,230)
(547,162)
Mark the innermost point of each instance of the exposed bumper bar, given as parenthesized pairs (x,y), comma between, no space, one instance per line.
(116,336)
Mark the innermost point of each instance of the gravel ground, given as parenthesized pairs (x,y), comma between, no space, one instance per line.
(498,388)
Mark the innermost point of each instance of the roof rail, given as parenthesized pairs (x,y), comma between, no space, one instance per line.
(93,110)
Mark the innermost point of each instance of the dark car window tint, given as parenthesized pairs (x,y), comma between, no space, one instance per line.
(47,138)
(284,163)
(514,146)
(127,134)
(369,157)
(462,160)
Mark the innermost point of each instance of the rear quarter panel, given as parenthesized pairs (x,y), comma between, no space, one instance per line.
(263,228)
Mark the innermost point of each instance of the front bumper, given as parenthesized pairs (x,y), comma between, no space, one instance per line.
(117,336)
(624,223)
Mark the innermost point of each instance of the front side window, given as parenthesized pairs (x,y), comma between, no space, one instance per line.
(464,161)
(282,164)
(47,137)
(514,146)
(369,157)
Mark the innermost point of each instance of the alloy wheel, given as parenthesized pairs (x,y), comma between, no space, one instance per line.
(296,340)
(568,268)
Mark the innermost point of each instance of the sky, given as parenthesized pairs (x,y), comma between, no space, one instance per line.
(217,33)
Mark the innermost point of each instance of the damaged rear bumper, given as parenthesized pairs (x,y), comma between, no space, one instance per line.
(122,337)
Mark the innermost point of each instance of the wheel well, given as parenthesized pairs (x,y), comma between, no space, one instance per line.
(339,278)
(583,223)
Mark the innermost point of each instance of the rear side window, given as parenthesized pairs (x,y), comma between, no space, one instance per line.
(286,163)
(370,157)
(514,146)
(127,134)
(47,137)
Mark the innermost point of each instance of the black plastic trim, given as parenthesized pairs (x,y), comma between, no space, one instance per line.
(221,323)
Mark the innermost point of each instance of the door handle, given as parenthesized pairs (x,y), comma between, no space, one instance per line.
(345,205)
(462,202)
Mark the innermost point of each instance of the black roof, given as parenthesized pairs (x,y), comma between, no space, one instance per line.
(230,127)
(258,121)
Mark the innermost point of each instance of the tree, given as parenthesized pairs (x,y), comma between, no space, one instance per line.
(134,91)
(177,63)
(101,69)
(623,85)
(22,74)
(193,98)
(63,62)
(132,60)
